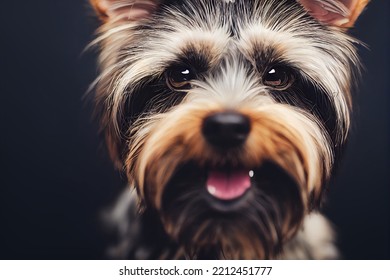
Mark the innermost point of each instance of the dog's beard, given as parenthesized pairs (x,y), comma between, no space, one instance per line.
(252,226)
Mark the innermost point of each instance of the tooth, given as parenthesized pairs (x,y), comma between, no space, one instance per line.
(211,190)
(251,173)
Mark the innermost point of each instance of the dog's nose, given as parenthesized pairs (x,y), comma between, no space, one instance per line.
(226,129)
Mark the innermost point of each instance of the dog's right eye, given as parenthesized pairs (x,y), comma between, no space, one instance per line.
(179,77)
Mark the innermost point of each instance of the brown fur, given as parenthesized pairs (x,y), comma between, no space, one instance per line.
(294,142)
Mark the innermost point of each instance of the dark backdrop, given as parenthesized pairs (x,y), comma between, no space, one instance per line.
(55,177)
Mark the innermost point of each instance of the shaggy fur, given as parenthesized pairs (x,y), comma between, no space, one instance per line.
(281,66)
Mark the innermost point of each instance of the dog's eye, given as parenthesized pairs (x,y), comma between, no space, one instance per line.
(179,77)
(278,77)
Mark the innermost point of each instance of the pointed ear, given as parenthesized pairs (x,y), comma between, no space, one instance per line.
(124,10)
(340,13)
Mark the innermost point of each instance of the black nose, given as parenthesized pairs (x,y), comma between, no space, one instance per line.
(226,129)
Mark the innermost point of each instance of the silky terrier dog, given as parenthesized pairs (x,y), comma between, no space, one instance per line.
(227,117)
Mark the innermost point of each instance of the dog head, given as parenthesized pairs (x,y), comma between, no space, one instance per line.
(227,116)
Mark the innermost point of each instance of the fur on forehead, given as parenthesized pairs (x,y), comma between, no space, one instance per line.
(341,13)
(203,26)
(209,30)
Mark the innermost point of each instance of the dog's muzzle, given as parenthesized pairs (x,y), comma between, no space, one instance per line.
(238,181)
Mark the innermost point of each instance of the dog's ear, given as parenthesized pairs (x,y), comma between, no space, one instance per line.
(124,10)
(340,13)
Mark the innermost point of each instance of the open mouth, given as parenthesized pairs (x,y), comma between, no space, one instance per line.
(226,189)
(223,188)
(228,184)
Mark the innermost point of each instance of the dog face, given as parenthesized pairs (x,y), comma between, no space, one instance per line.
(227,115)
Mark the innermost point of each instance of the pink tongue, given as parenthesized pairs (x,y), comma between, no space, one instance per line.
(228,185)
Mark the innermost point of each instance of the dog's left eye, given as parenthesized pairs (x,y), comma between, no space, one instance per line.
(278,77)
(179,77)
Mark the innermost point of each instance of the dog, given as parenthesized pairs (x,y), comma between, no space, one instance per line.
(228,118)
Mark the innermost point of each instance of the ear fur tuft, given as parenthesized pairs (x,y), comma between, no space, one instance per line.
(340,13)
(124,10)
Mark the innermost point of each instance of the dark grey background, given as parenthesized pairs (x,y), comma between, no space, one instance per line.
(55,177)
